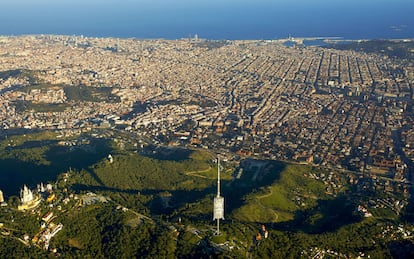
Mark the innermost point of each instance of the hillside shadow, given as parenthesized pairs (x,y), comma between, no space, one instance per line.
(94,176)
(14,172)
(137,108)
(233,192)
(178,199)
(255,175)
(80,156)
(167,153)
(33,144)
(157,205)
(326,216)
(168,202)
(97,188)
(408,212)
(401,249)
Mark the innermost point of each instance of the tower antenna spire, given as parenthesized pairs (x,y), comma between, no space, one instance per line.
(218,176)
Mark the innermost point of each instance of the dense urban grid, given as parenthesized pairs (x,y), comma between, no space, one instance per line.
(347,113)
(313,105)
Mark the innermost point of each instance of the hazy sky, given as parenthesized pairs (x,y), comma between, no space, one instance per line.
(213,18)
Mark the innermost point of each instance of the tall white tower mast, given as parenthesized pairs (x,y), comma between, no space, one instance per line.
(218,201)
(218,176)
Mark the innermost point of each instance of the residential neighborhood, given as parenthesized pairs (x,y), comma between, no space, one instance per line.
(333,108)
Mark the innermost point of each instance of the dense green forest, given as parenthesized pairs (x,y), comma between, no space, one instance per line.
(156,202)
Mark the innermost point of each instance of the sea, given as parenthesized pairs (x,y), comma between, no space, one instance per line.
(210,19)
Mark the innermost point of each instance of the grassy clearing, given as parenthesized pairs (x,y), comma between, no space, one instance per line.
(137,172)
(211,173)
(18,140)
(279,201)
(37,157)
(383,213)
(22,106)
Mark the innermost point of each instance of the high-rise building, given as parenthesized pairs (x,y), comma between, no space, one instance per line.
(218,201)
(1,197)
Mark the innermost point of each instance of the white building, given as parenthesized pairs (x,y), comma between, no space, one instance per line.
(26,195)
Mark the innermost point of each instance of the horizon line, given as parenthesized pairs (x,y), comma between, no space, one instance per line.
(289,37)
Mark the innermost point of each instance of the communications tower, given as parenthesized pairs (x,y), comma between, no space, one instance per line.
(218,201)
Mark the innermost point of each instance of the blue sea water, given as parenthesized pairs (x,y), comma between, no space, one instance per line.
(212,19)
